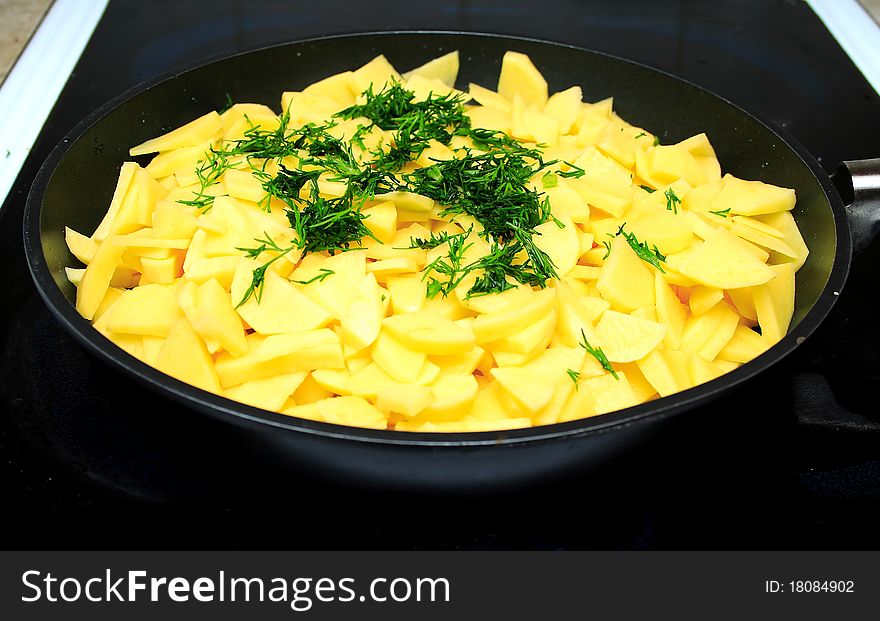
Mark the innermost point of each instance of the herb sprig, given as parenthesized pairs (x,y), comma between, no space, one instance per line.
(672,200)
(641,248)
(598,354)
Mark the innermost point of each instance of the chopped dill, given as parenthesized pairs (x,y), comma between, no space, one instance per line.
(449,267)
(209,171)
(656,141)
(574,376)
(259,273)
(642,250)
(648,189)
(319,278)
(226,106)
(640,135)
(598,354)
(672,200)
(433,241)
(721,213)
(576,172)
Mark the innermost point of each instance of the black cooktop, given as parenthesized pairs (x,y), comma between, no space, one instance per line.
(90,460)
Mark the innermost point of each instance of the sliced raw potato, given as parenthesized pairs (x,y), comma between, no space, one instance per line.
(184,356)
(609,393)
(670,312)
(784,222)
(565,106)
(443,68)
(703,298)
(722,262)
(406,399)
(396,359)
(80,246)
(189,135)
(625,281)
(626,338)
(666,370)
(708,333)
(278,306)
(752,198)
(148,310)
(701,370)
(560,242)
(362,322)
(352,411)
(489,99)
(491,327)
(527,390)
(519,77)
(270,393)
(774,302)
(375,74)
(745,345)
(281,353)
(216,320)
(430,333)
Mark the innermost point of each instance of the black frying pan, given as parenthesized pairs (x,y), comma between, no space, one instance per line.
(75,184)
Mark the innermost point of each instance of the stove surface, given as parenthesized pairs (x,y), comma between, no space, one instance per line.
(88,459)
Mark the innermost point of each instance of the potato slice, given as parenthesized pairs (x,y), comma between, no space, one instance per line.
(520,77)
(752,198)
(626,338)
(723,262)
(443,68)
(774,302)
(183,355)
(193,133)
(626,282)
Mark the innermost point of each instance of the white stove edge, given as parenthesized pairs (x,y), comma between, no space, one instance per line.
(856,32)
(37,78)
(32,87)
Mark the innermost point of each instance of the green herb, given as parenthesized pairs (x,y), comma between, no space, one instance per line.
(645,253)
(415,123)
(448,266)
(208,173)
(640,134)
(491,187)
(549,180)
(328,224)
(433,241)
(598,354)
(721,213)
(656,141)
(266,244)
(672,200)
(227,105)
(574,376)
(576,172)
(607,245)
(648,189)
(319,278)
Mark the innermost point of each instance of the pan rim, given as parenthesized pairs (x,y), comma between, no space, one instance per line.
(233,412)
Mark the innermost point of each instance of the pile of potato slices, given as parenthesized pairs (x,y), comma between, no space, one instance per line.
(393,253)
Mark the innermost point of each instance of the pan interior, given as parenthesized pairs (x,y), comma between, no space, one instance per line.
(81,186)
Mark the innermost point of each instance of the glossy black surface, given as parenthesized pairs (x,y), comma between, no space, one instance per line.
(67,421)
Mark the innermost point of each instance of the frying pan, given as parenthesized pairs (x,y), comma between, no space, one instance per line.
(76,182)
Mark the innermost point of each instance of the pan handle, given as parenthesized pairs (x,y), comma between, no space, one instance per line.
(858,182)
